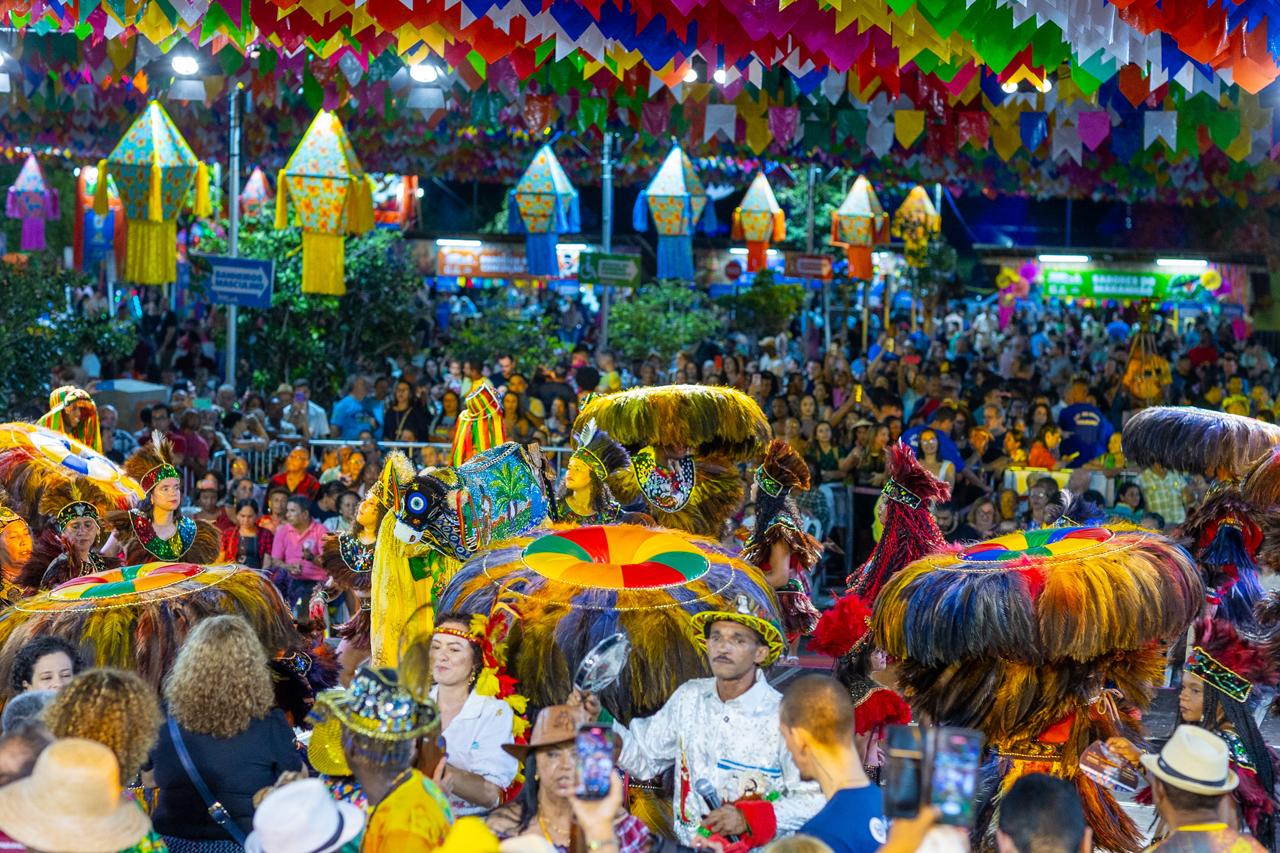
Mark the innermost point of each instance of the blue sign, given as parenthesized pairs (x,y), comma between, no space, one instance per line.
(241,281)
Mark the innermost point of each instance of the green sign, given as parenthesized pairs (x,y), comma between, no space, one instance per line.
(610,270)
(1085,283)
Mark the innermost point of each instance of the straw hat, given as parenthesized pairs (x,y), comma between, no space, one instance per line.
(556,724)
(1194,760)
(72,802)
(744,613)
(302,817)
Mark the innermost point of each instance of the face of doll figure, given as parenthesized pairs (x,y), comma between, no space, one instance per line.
(577,476)
(1113,443)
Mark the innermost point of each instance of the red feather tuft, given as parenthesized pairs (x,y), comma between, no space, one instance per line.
(907,471)
(882,707)
(842,627)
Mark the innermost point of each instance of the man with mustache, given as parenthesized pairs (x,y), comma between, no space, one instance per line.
(724,730)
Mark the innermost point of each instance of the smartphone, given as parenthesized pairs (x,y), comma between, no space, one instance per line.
(953,778)
(298,396)
(857,393)
(594,744)
(903,769)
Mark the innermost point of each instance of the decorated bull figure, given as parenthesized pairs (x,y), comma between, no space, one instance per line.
(498,494)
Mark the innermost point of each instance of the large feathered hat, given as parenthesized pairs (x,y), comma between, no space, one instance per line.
(1197,441)
(782,470)
(64,501)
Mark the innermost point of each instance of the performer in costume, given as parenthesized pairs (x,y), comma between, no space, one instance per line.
(404,576)
(735,744)
(685,443)
(1044,641)
(156,529)
(459,663)
(844,633)
(585,497)
(69,547)
(381,724)
(72,412)
(778,546)
(910,531)
(1220,678)
(15,550)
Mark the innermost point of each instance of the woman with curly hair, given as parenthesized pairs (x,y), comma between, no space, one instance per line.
(222,709)
(116,708)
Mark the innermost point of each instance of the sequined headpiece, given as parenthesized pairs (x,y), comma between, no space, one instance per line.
(458,632)
(163,471)
(895,491)
(8,516)
(378,707)
(1218,675)
(767,484)
(74,510)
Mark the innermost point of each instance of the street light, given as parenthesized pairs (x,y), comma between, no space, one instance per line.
(424,72)
(185,65)
(187,85)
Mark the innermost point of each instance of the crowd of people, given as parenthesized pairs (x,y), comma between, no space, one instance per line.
(215,757)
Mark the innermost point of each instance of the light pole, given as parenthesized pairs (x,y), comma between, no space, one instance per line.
(606,229)
(233,227)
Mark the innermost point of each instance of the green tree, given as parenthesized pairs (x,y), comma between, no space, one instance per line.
(765,308)
(317,336)
(531,342)
(661,319)
(793,197)
(38,334)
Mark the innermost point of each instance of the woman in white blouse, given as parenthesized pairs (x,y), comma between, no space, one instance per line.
(476,770)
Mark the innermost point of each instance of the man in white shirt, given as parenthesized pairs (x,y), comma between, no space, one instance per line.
(724,730)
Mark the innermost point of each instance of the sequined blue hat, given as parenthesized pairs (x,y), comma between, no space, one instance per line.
(377,706)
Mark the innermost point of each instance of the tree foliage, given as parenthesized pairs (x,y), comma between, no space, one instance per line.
(316,336)
(765,308)
(661,319)
(531,342)
(793,197)
(38,334)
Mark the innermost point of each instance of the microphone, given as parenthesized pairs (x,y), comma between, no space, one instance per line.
(708,793)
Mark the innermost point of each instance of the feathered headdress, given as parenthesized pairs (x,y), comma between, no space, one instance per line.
(1228,662)
(152,462)
(910,531)
(1197,441)
(599,452)
(844,629)
(65,501)
(782,470)
(66,397)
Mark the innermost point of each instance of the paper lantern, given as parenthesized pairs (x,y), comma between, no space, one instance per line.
(34,202)
(678,203)
(543,206)
(256,197)
(758,220)
(860,224)
(154,170)
(916,222)
(332,197)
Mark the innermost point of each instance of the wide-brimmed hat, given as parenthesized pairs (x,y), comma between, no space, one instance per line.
(302,817)
(72,802)
(744,613)
(1194,760)
(377,706)
(556,724)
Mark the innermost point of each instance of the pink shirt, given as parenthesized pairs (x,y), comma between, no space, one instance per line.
(288,548)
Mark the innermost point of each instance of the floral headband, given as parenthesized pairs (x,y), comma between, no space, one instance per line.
(74,510)
(163,471)
(1218,676)
(895,491)
(591,461)
(767,484)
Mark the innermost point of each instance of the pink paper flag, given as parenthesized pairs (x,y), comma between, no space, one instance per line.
(1094,128)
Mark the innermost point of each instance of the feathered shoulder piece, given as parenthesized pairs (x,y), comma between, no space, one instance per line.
(783,465)
(1229,662)
(1197,441)
(149,458)
(599,452)
(915,486)
(844,629)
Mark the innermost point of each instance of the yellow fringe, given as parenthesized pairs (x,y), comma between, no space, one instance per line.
(736,232)
(203,205)
(323,263)
(101,193)
(779,225)
(282,203)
